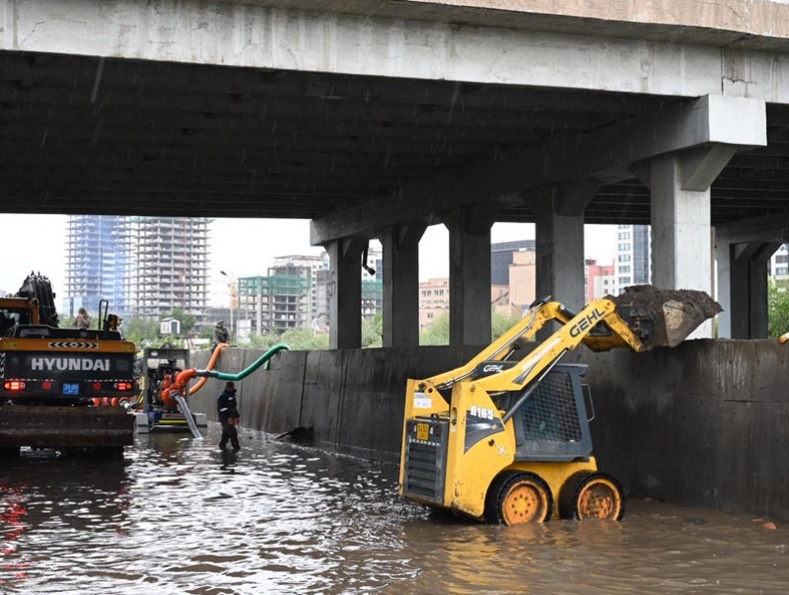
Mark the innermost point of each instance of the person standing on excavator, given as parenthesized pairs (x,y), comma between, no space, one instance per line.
(83,319)
(221,335)
(227,409)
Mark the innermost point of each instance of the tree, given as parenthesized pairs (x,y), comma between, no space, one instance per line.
(500,324)
(373,331)
(777,308)
(437,333)
(143,331)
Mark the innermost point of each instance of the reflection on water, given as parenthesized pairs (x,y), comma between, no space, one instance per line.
(179,516)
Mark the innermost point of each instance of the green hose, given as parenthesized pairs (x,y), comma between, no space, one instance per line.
(263,359)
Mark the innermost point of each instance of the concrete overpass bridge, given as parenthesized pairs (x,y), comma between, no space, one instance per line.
(377,119)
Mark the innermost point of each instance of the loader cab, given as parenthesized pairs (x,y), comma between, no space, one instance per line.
(552,424)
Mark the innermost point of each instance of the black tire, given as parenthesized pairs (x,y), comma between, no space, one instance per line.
(518,497)
(592,496)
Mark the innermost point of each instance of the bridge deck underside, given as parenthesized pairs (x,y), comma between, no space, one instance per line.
(107,136)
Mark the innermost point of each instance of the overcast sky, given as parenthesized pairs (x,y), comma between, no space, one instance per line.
(243,247)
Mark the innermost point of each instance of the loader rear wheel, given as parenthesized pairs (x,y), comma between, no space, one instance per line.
(515,498)
(592,496)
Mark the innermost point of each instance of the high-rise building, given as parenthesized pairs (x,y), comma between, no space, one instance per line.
(373,281)
(371,270)
(168,265)
(779,263)
(633,257)
(279,301)
(287,298)
(143,266)
(96,264)
(600,280)
(314,264)
(433,300)
(501,257)
(522,282)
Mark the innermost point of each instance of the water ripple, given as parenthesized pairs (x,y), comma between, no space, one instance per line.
(179,516)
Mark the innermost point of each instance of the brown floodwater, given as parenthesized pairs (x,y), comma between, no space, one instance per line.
(178,516)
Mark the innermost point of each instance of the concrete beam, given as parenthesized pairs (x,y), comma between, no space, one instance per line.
(770,227)
(571,198)
(241,34)
(756,74)
(603,154)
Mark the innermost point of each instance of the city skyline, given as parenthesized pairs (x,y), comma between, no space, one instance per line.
(244,248)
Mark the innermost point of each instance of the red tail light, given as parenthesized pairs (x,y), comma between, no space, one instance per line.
(124,385)
(97,386)
(14,385)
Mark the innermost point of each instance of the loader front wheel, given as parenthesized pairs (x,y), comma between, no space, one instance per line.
(592,496)
(515,498)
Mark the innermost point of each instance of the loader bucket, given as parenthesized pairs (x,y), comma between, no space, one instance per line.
(664,317)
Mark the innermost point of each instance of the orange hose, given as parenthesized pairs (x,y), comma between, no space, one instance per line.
(211,364)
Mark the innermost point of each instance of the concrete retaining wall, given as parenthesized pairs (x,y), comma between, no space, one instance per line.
(703,424)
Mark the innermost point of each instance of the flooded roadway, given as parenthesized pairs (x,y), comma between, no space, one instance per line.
(178,516)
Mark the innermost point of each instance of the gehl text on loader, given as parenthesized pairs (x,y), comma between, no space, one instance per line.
(505,438)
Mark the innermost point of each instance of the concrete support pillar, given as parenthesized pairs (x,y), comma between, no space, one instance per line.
(560,243)
(345,293)
(469,275)
(681,228)
(401,285)
(747,297)
(723,280)
(742,250)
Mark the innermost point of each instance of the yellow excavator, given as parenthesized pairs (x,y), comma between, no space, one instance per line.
(505,438)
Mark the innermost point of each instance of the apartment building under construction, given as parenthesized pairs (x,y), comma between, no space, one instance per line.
(144,266)
(168,267)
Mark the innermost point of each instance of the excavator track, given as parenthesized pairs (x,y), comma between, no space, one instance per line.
(65,427)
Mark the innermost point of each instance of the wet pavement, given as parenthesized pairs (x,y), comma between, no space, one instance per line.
(179,516)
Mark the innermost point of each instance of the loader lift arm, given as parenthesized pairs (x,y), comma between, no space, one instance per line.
(598,326)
